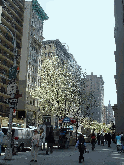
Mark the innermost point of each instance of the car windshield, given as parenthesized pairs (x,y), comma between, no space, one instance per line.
(13,125)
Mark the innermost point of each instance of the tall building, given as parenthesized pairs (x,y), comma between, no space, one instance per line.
(110,116)
(11,19)
(119,58)
(30,64)
(95,86)
(105,114)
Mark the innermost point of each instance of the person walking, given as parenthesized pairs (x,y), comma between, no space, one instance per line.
(118,142)
(106,137)
(81,146)
(102,139)
(1,139)
(113,137)
(67,139)
(34,145)
(109,139)
(50,141)
(93,140)
(122,141)
(41,139)
(98,138)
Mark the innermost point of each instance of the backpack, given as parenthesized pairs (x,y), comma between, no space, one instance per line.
(93,137)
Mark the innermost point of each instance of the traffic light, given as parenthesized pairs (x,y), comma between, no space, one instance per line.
(13,72)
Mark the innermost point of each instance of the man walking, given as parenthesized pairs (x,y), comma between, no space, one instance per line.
(102,139)
(106,137)
(34,146)
(98,138)
(109,139)
(81,146)
(41,139)
(122,141)
(93,140)
(67,140)
(50,141)
(113,137)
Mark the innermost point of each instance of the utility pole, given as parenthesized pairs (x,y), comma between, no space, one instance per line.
(12,90)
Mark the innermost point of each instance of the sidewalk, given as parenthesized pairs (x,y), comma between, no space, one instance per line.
(101,155)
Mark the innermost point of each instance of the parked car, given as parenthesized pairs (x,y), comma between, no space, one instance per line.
(22,137)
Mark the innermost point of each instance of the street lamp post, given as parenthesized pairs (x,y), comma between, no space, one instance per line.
(12,91)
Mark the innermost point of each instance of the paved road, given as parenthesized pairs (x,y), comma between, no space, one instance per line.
(102,155)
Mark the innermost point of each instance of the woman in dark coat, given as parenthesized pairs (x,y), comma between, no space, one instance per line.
(98,138)
(106,137)
(109,139)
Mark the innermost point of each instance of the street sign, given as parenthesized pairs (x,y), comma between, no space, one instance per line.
(13,72)
(11,88)
(66,120)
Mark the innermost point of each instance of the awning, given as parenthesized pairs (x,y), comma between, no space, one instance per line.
(66,120)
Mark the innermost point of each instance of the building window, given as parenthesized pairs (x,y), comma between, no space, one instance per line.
(29,65)
(29,77)
(34,102)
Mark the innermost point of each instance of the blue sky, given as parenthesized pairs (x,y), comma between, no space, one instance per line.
(87,27)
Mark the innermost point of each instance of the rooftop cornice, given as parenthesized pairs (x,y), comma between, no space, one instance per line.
(39,10)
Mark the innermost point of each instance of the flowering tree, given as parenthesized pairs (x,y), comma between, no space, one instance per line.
(57,92)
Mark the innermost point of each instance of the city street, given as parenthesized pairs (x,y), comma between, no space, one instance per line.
(101,155)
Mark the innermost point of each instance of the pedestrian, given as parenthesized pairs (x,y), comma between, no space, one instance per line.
(67,139)
(93,140)
(109,139)
(34,145)
(98,138)
(122,141)
(50,141)
(81,146)
(41,139)
(118,142)
(102,139)
(106,137)
(113,137)
(1,139)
